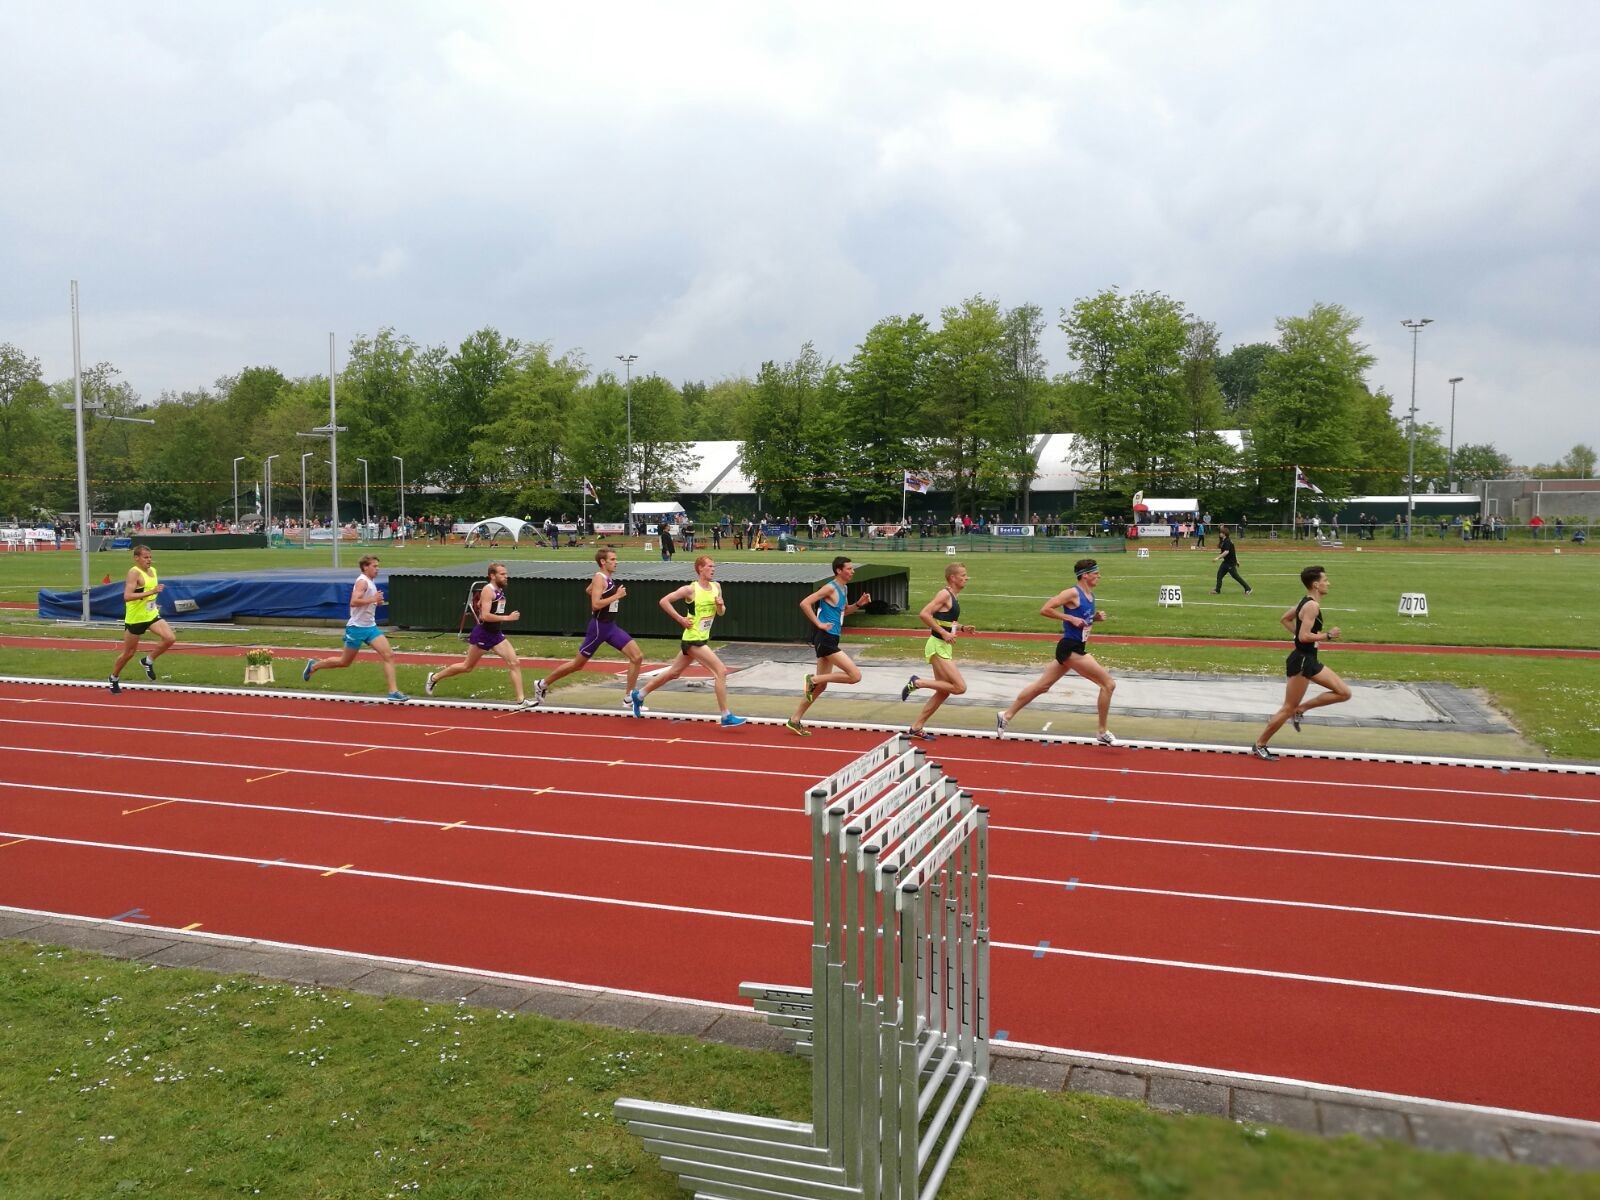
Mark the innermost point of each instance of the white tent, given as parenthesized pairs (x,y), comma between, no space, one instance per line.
(1159,504)
(658,508)
(494,526)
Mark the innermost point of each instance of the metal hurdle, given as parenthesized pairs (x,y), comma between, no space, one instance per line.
(897,1018)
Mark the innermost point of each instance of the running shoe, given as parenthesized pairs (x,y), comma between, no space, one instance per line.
(1248,592)
(905,692)
(398,697)
(527,704)
(427,688)
(1107,739)
(1263,753)
(729,721)
(922,735)
(797,729)
(636,702)
(1000,724)
(1294,720)
(149,668)
(810,687)
(115,685)
(311,665)
(539,689)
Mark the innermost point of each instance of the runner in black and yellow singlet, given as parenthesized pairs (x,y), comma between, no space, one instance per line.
(703,598)
(1303,666)
(942,616)
(141,615)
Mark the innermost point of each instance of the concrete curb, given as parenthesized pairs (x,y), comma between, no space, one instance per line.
(1431,1125)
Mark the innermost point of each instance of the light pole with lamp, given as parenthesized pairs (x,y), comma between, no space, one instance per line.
(267,513)
(1411,455)
(402,463)
(305,524)
(627,361)
(366,499)
(236,463)
(1450,460)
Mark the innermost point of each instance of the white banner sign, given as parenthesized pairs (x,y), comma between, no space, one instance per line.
(1011,530)
(1155,530)
(608,526)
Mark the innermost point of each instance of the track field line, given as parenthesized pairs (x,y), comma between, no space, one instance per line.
(508,787)
(346,871)
(795,746)
(644,843)
(1324,814)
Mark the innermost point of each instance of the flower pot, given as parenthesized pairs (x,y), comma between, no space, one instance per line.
(261,674)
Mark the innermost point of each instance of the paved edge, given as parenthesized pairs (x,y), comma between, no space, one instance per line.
(1431,1125)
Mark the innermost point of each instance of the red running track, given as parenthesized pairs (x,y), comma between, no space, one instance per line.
(1420,930)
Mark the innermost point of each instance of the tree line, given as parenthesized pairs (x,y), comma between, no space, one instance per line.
(511,425)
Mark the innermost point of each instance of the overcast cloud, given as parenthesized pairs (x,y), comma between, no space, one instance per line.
(711,185)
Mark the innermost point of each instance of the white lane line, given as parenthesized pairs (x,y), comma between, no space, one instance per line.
(1079,884)
(1408,914)
(1287,812)
(492,754)
(1277,781)
(424,823)
(406,779)
(510,787)
(687,910)
(1297,977)
(1097,836)
(374,715)
(500,732)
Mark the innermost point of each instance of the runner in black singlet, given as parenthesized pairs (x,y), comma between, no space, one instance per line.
(1303,667)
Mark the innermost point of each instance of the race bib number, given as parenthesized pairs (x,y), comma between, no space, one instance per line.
(613,607)
(704,624)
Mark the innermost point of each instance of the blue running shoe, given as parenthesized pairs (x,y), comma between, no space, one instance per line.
(398,697)
(729,721)
(311,665)
(636,701)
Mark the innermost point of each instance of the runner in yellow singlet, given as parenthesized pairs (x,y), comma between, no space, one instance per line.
(141,616)
(703,595)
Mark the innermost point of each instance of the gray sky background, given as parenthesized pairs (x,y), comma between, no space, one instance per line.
(710,185)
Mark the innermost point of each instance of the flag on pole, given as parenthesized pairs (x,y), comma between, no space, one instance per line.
(588,489)
(1300,481)
(917,481)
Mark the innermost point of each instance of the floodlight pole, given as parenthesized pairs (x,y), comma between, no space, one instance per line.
(402,463)
(83,468)
(305,527)
(1411,456)
(627,361)
(366,497)
(1450,461)
(236,463)
(333,442)
(267,515)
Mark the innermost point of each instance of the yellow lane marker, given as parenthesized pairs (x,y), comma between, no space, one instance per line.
(618,763)
(128,812)
(671,740)
(542,791)
(14,842)
(274,775)
(437,732)
(196,925)
(336,870)
(453,825)
(363,750)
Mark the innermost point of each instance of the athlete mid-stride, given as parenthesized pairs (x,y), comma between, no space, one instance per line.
(1075,609)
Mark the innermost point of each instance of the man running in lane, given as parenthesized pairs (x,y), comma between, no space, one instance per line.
(487,636)
(1229,558)
(703,595)
(141,616)
(1075,609)
(362,630)
(942,617)
(826,608)
(1303,667)
(605,594)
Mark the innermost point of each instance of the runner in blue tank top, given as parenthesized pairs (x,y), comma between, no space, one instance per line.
(826,609)
(1075,609)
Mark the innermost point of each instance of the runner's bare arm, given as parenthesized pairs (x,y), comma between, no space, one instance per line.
(809,604)
(672,598)
(1287,620)
(1055,609)
(132,586)
(927,618)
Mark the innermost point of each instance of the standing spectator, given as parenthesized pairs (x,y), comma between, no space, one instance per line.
(1561,530)
(1537,525)
(666,543)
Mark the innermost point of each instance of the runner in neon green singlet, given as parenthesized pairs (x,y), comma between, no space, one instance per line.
(141,615)
(703,598)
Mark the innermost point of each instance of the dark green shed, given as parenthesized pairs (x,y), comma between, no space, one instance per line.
(763,598)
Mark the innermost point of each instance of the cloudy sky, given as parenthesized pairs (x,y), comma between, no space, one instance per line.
(710,185)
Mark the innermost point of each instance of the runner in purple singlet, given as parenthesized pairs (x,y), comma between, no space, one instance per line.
(487,637)
(604,593)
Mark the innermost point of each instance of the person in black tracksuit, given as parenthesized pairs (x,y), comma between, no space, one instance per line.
(1229,560)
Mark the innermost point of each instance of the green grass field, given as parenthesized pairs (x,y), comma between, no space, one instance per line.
(128,1080)
(1477,598)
